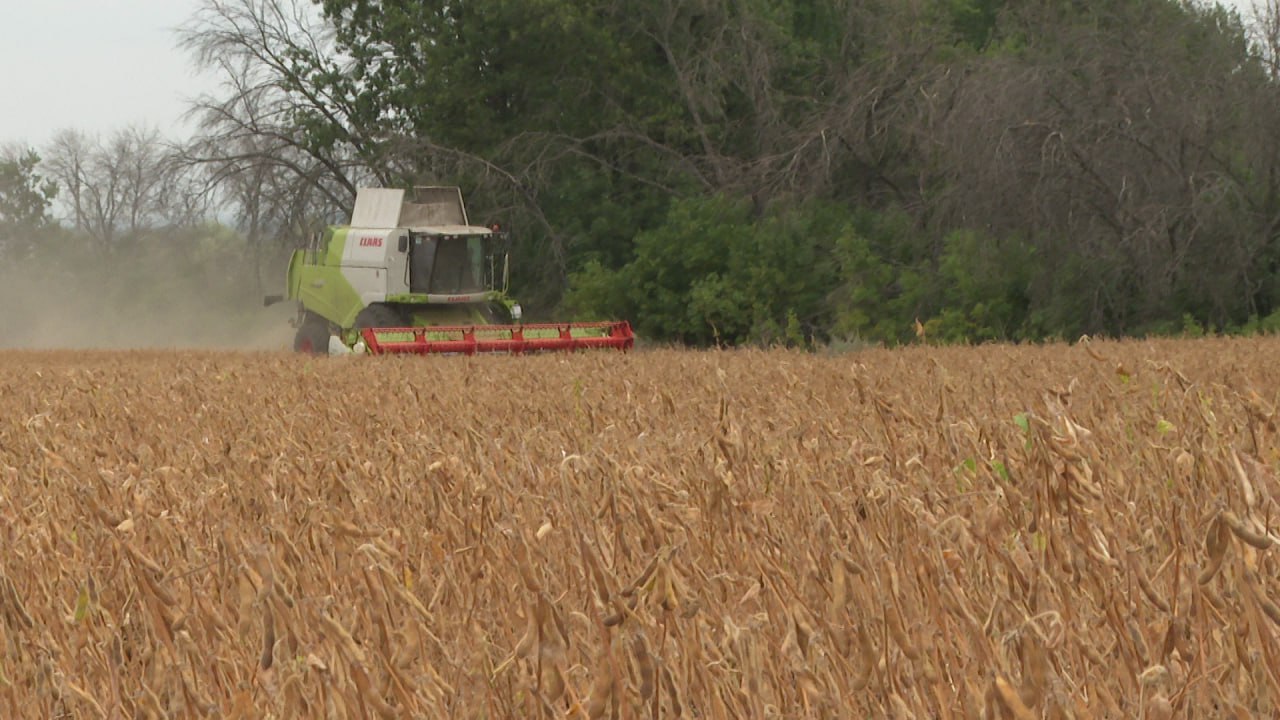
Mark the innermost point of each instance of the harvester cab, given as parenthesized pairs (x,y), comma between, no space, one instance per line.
(410,274)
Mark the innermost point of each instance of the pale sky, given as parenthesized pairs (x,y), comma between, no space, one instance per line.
(93,65)
(100,65)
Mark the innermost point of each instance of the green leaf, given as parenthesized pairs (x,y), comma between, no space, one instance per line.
(1021,421)
(82,604)
(1164,426)
(1000,470)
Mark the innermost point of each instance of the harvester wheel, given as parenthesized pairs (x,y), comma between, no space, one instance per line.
(313,335)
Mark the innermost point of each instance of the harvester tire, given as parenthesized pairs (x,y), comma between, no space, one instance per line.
(313,335)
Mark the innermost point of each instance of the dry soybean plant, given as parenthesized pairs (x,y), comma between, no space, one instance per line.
(1080,531)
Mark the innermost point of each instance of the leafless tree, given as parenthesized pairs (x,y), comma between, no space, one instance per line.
(1263,18)
(1109,145)
(754,134)
(121,186)
(266,51)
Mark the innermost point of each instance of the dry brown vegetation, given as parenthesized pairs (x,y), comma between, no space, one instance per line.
(1004,532)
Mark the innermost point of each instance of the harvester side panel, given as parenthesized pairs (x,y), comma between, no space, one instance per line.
(377,208)
(294,278)
(327,292)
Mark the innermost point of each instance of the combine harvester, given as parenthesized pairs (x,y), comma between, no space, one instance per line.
(411,275)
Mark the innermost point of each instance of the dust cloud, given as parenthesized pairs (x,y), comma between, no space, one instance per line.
(153,295)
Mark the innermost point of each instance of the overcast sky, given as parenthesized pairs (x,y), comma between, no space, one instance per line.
(100,65)
(93,65)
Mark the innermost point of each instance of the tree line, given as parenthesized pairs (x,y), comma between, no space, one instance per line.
(768,171)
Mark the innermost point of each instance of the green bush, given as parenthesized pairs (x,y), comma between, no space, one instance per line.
(715,272)
(985,288)
(1268,325)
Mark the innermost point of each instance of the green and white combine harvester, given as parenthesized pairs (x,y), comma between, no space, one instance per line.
(411,275)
